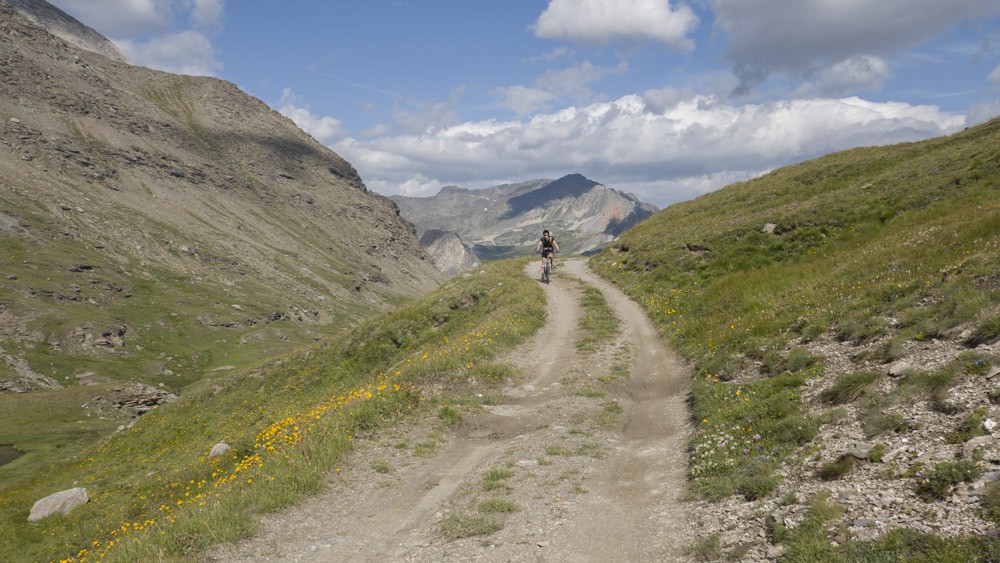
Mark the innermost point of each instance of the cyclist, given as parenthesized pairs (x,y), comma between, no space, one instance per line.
(548,246)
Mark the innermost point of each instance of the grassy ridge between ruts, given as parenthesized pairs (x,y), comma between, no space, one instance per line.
(895,243)
(156,494)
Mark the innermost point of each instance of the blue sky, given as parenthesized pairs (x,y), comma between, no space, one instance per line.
(661,98)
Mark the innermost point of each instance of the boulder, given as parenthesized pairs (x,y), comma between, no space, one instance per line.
(899,368)
(858,450)
(62,502)
(219,449)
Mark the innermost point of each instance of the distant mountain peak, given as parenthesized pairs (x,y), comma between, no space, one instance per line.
(569,186)
(507,219)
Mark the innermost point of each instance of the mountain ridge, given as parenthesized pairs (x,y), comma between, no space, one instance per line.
(155,227)
(507,219)
(68,28)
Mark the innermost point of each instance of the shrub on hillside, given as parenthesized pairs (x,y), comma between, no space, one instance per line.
(987,332)
(937,483)
(799,359)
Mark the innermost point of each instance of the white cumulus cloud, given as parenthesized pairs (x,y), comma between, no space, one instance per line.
(554,86)
(169,35)
(121,19)
(613,21)
(185,52)
(324,129)
(696,144)
(523,100)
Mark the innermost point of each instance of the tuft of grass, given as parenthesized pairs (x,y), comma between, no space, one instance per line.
(756,481)
(849,388)
(705,548)
(860,331)
(800,358)
(889,350)
(933,386)
(904,544)
(969,428)
(459,526)
(809,541)
(973,363)
(491,372)
(991,502)
(450,415)
(986,332)
(838,469)
(937,483)
(557,449)
(877,423)
(498,506)
(609,414)
(381,466)
(495,479)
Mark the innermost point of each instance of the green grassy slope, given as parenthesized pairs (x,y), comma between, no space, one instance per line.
(154,492)
(888,245)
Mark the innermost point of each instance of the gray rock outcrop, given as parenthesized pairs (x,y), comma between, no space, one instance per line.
(448,252)
(62,502)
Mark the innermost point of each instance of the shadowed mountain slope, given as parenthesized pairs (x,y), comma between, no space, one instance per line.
(154,227)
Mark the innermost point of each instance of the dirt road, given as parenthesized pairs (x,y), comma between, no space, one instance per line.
(583,461)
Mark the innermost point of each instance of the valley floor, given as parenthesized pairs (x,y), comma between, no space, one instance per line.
(580,461)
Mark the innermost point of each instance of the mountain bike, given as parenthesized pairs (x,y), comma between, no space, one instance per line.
(546,265)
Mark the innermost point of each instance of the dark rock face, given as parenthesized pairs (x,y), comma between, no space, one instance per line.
(507,220)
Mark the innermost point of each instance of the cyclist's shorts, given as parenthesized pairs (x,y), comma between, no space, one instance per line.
(547,254)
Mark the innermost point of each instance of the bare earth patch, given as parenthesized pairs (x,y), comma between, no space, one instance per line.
(583,460)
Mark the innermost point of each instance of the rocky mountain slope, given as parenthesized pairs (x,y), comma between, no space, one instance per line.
(67,28)
(506,220)
(155,227)
(843,318)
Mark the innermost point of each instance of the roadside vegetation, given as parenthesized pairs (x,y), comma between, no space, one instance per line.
(155,493)
(599,323)
(888,245)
